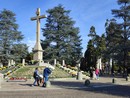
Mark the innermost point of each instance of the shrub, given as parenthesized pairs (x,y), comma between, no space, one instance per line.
(58,65)
(86,73)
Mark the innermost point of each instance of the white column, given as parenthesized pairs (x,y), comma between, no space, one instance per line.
(1,65)
(42,61)
(23,62)
(100,63)
(110,65)
(78,67)
(110,62)
(54,61)
(63,63)
(1,78)
(97,64)
(12,62)
(9,63)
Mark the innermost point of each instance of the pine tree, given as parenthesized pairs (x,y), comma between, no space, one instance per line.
(18,52)
(119,33)
(90,55)
(9,34)
(113,39)
(95,49)
(91,52)
(62,40)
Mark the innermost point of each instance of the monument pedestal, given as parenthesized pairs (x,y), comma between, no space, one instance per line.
(37,52)
(37,55)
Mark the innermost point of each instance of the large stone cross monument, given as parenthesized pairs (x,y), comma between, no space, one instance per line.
(38,52)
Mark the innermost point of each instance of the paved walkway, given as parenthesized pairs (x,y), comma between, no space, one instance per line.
(62,83)
(68,88)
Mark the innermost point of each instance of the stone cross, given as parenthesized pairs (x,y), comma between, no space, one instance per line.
(38,49)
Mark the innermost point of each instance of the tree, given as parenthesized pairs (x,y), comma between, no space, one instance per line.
(113,40)
(9,34)
(62,39)
(121,33)
(29,57)
(95,49)
(90,55)
(19,51)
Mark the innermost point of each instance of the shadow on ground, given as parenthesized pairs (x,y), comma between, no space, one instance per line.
(26,84)
(118,90)
(103,88)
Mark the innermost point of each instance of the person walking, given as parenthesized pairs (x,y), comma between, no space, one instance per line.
(36,77)
(97,73)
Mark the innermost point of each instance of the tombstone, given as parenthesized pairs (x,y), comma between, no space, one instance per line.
(54,61)
(12,62)
(38,52)
(1,65)
(9,63)
(79,74)
(63,63)
(23,62)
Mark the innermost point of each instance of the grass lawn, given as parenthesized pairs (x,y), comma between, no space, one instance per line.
(27,71)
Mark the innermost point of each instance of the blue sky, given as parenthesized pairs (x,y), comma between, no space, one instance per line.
(86,13)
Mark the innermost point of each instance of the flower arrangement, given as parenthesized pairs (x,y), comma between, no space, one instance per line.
(17,79)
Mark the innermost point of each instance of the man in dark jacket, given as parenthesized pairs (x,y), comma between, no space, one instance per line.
(46,72)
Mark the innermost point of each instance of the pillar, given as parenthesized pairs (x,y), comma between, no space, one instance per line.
(23,62)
